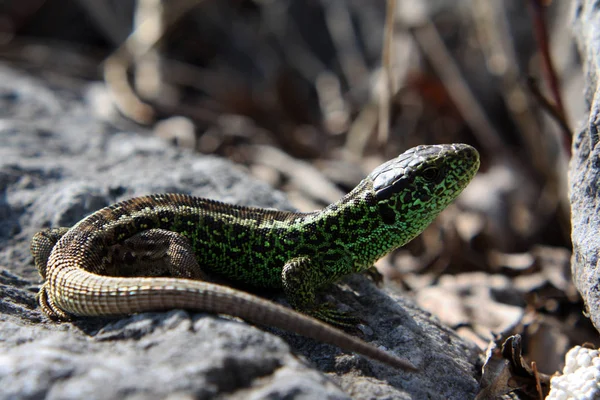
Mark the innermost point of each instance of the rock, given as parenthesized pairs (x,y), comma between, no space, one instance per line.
(581,376)
(57,164)
(584,171)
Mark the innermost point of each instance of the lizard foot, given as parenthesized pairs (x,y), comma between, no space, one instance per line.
(327,312)
(48,306)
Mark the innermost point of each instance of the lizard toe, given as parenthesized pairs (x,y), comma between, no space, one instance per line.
(48,306)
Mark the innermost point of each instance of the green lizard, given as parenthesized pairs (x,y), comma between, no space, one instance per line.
(96,267)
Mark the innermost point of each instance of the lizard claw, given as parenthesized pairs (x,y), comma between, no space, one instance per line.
(375,275)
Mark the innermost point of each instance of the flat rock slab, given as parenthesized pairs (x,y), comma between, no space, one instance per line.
(584,171)
(57,164)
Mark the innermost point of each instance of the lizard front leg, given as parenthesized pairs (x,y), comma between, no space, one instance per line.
(302,279)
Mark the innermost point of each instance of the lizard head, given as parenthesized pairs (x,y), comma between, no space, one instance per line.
(412,189)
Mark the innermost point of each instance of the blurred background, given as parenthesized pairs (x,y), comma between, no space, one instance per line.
(311,95)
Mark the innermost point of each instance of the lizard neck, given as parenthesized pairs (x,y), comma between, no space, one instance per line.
(368,228)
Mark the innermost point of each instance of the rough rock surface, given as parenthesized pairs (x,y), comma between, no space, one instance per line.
(584,172)
(57,164)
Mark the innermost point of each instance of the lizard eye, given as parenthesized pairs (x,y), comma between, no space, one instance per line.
(431,174)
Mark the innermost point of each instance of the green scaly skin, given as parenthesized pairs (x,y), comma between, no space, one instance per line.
(300,253)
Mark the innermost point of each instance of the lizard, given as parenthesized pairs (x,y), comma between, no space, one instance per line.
(151,253)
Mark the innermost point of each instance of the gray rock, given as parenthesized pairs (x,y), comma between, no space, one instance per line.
(57,164)
(584,171)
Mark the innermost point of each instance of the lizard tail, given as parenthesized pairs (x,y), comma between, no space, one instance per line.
(83,293)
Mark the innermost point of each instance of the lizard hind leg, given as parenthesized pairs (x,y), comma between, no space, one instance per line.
(41,246)
(301,280)
(154,252)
